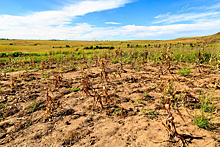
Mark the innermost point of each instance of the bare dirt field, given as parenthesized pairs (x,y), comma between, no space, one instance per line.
(92,107)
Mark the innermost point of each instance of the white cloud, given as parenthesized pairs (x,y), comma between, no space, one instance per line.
(187,17)
(59,24)
(162,15)
(114,23)
(39,24)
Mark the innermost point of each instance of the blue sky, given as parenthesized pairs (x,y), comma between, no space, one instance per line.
(108,19)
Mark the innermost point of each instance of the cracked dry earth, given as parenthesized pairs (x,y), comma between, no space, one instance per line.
(132,116)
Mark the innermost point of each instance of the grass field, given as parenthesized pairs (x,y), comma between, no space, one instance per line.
(38,46)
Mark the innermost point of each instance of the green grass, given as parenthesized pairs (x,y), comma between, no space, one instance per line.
(146,96)
(45,75)
(137,101)
(203,120)
(184,71)
(33,106)
(151,114)
(2,106)
(74,89)
(206,101)
(37,67)
(128,61)
(117,111)
(212,68)
(115,61)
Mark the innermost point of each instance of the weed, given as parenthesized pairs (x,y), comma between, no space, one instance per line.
(146,96)
(33,106)
(115,61)
(212,68)
(2,106)
(184,71)
(128,61)
(37,67)
(137,101)
(202,121)
(45,75)
(74,89)
(137,68)
(150,113)
(130,101)
(117,111)
(29,68)
(206,102)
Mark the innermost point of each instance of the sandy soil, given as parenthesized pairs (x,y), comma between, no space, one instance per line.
(132,116)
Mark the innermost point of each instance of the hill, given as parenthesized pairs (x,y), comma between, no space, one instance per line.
(64,45)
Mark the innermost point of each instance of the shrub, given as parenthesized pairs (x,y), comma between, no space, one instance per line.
(112,47)
(16,54)
(86,48)
(3,54)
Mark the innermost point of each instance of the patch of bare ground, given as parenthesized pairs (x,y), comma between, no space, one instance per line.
(111,107)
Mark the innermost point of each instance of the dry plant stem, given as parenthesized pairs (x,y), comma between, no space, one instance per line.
(170,125)
(169,121)
(106,94)
(50,104)
(97,98)
(85,82)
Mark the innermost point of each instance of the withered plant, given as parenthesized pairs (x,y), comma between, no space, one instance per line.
(50,102)
(97,98)
(57,80)
(13,83)
(171,103)
(85,82)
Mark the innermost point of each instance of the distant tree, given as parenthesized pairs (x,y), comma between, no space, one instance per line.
(112,47)
(128,45)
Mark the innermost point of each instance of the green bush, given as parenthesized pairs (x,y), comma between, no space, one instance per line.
(3,54)
(16,54)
